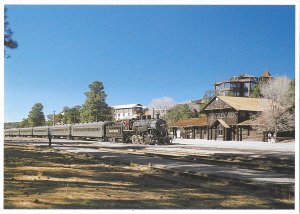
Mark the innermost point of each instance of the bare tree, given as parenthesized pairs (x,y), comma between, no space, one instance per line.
(279,116)
(277,90)
(161,105)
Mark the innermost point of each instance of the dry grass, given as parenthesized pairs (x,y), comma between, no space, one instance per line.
(46,178)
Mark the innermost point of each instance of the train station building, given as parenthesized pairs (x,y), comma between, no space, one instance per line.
(226,118)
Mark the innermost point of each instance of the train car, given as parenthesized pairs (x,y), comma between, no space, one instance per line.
(40,131)
(90,130)
(61,131)
(6,132)
(14,132)
(26,132)
(120,131)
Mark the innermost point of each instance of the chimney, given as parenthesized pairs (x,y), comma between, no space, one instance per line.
(157,115)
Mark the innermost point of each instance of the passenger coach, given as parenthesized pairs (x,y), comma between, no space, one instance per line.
(40,131)
(61,131)
(90,130)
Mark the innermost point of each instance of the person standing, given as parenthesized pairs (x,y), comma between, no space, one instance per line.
(49,136)
(269,137)
(274,137)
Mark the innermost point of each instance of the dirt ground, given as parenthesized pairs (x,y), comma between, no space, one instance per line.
(41,177)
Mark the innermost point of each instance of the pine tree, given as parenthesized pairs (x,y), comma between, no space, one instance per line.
(95,108)
(71,115)
(24,123)
(8,40)
(36,116)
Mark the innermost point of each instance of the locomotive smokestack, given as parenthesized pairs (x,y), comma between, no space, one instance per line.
(157,115)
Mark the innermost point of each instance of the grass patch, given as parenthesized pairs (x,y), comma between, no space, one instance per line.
(46,178)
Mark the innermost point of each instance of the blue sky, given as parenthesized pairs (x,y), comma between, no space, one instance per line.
(139,52)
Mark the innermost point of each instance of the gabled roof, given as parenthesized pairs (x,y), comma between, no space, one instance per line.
(247,104)
(202,121)
(127,106)
(244,103)
(266,74)
(223,123)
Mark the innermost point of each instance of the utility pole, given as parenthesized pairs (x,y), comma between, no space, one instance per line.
(54,118)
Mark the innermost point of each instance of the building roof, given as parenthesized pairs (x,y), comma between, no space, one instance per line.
(266,74)
(202,121)
(223,123)
(244,103)
(127,106)
(241,77)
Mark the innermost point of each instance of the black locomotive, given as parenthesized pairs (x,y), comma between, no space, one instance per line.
(144,131)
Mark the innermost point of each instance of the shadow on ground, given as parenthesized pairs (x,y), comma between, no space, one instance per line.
(47,178)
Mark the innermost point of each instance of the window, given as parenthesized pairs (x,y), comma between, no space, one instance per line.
(242,114)
(226,85)
(234,85)
(220,130)
(237,93)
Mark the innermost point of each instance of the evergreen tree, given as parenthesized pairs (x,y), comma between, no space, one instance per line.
(24,123)
(291,94)
(178,112)
(71,115)
(57,117)
(95,108)
(36,116)
(8,41)
(256,91)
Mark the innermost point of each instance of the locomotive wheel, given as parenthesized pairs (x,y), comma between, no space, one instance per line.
(134,139)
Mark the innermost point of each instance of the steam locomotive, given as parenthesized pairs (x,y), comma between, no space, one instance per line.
(145,131)
(137,131)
